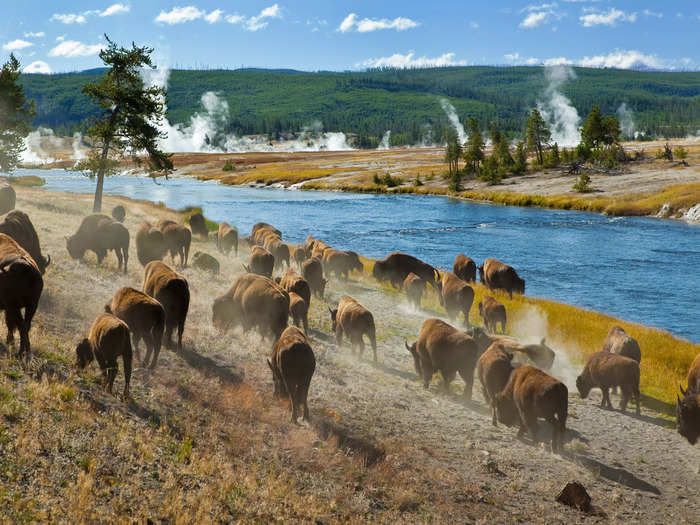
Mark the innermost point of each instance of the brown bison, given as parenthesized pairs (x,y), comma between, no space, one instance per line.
(493,313)
(177,238)
(264,226)
(396,266)
(456,296)
(494,368)
(414,286)
(150,244)
(442,348)
(227,239)
(172,291)
(109,338)
(499,276)
(618,342)
(319,248)
(536,354)
(299,256)
(119,213)
(355,321)
(205,262)
(299,311)
(312,271)
(604,370)
(341,263)
(8,198)
(530,394)
(293,282)
(17,225)
(144,316)
(278,249)
(21,285)
(261,262)
(293,365)
(688,408)
(254,301)
(464,268)
(261,230)
(198,225)
(113,236)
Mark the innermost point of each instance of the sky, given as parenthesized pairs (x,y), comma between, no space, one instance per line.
(317,35)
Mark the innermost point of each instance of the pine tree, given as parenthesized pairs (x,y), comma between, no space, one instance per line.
(520,158)
(474,152)
(538,135)
(15,116)
(593,131)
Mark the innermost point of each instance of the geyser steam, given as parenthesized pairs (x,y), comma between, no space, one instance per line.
(451,113)
(385,144)
(626,118)
(556,109)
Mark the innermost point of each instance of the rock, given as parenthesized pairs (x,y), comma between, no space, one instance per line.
(575,495)
(665,211)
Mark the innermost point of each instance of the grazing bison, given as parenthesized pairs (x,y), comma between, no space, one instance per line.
(688,408)
(494,368)
(114,236)
(499,276)
(396,266)
(8,198)
(227,239)
(341,263)
(312,271)
(205,262)
(172,291)
(119,213)
(618,342)
(278,249)
(414,286)
(144,316)
(109,338)
(299,256)
(604,370)
(530,394)
(464,268)
(21,285)
(87,237)
(293,365)
(355,321)
(293,282)
(441,347)
(493,313)
(177,238)
(254,301)
(150,244)
(456,296)
(17,225)
(299,311)
(198,225)
(261,262)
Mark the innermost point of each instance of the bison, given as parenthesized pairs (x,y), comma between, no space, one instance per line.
(150,244)
(113,236)
(530,394)
(278,249)
(355,321)
(604,370)
(618,342)
(456,296)
(299,311)
(119,213)
(537,354)
(414,286)
(205,262)
(293,364)
(688,408)
(177,238)
(441,347)
(198,225)
(494,368)
(8,198)
(493,313)
(144,316)
(87,237)
(299,256)
(21,285)
(254,301)
(499,276)
(293,282)
(109,338)
(261,262)
(312,271)
(396,266)
(17,225)
(227,239)
(172,291)
(464,268)
(341,263)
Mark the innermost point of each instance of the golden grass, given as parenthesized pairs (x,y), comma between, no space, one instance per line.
(275,174)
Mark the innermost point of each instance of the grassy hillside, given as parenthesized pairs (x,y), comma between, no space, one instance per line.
(404,101)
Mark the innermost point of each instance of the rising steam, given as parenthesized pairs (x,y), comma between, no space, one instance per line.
(385,144)
(42,145)
(561,117)
(626,118)
(451,113)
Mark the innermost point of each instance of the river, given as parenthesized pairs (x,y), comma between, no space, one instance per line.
(638,269)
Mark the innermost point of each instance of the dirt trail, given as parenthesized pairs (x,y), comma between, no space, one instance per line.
(637,469)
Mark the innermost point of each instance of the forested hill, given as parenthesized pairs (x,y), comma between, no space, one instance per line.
(403,101)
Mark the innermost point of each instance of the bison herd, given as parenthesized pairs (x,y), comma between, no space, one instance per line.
(514,377)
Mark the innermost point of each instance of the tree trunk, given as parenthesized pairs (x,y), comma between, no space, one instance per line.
(97,204)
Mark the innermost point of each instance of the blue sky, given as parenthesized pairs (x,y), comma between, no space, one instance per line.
(322,35)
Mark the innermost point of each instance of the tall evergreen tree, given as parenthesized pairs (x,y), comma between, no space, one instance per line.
(15,116)
(538,135)
(474,151)
(593,130)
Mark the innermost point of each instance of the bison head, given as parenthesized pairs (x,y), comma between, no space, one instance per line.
(583,385)
(688,416)
(416,357)
(334,318)
(519,286)
(506,411)
(83,353)
(379,271)
(481,337)
(75,247)
(280,388)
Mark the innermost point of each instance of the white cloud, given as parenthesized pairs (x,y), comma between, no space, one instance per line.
(535,19)
(409,60)
(180,15)
(540,15)
(214,16)
(648,12)
(115,9)
(16,45)
(235,19)
(255,23)
(474,25)
(40,34)
(512,56)
(38,67)
(607,18)
(367,25)
(73,48)
(557,61)
(624,60)
(68,18)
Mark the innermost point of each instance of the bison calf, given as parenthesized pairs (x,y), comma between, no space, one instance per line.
(108,339)
(312,271)
(493,313)
(293,364)
(456,296)
(355,321)
(414,286)
(493,369)
(172,291)
(604,370)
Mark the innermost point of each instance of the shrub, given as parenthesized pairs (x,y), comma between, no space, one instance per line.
(583,184)
(430,176)
(417,181)
(229,166)
(681,153)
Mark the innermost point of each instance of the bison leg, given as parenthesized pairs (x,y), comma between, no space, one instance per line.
(305,322)
(467,376)
(120,259)
(135,346)
(494,419)
(606,398)
(180,330)
(304,394)
(428,372)
(126,358)
(624,398)
(11,323)
(338,335)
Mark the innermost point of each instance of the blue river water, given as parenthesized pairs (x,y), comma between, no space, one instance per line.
(638,269)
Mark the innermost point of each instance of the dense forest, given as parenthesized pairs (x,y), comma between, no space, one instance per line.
(405,101)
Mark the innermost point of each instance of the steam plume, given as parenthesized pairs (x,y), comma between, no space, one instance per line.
(626,118)
(384,144)
(451,113)
(561,117)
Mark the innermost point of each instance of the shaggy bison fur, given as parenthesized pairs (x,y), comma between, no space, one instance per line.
(355,321)
(605,370)
(17,225)
(172,291)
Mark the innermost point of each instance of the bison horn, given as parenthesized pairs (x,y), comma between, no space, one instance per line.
(406,344)
(682,391)
(678,399)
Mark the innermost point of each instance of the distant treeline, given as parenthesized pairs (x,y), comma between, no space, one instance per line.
(405,101)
